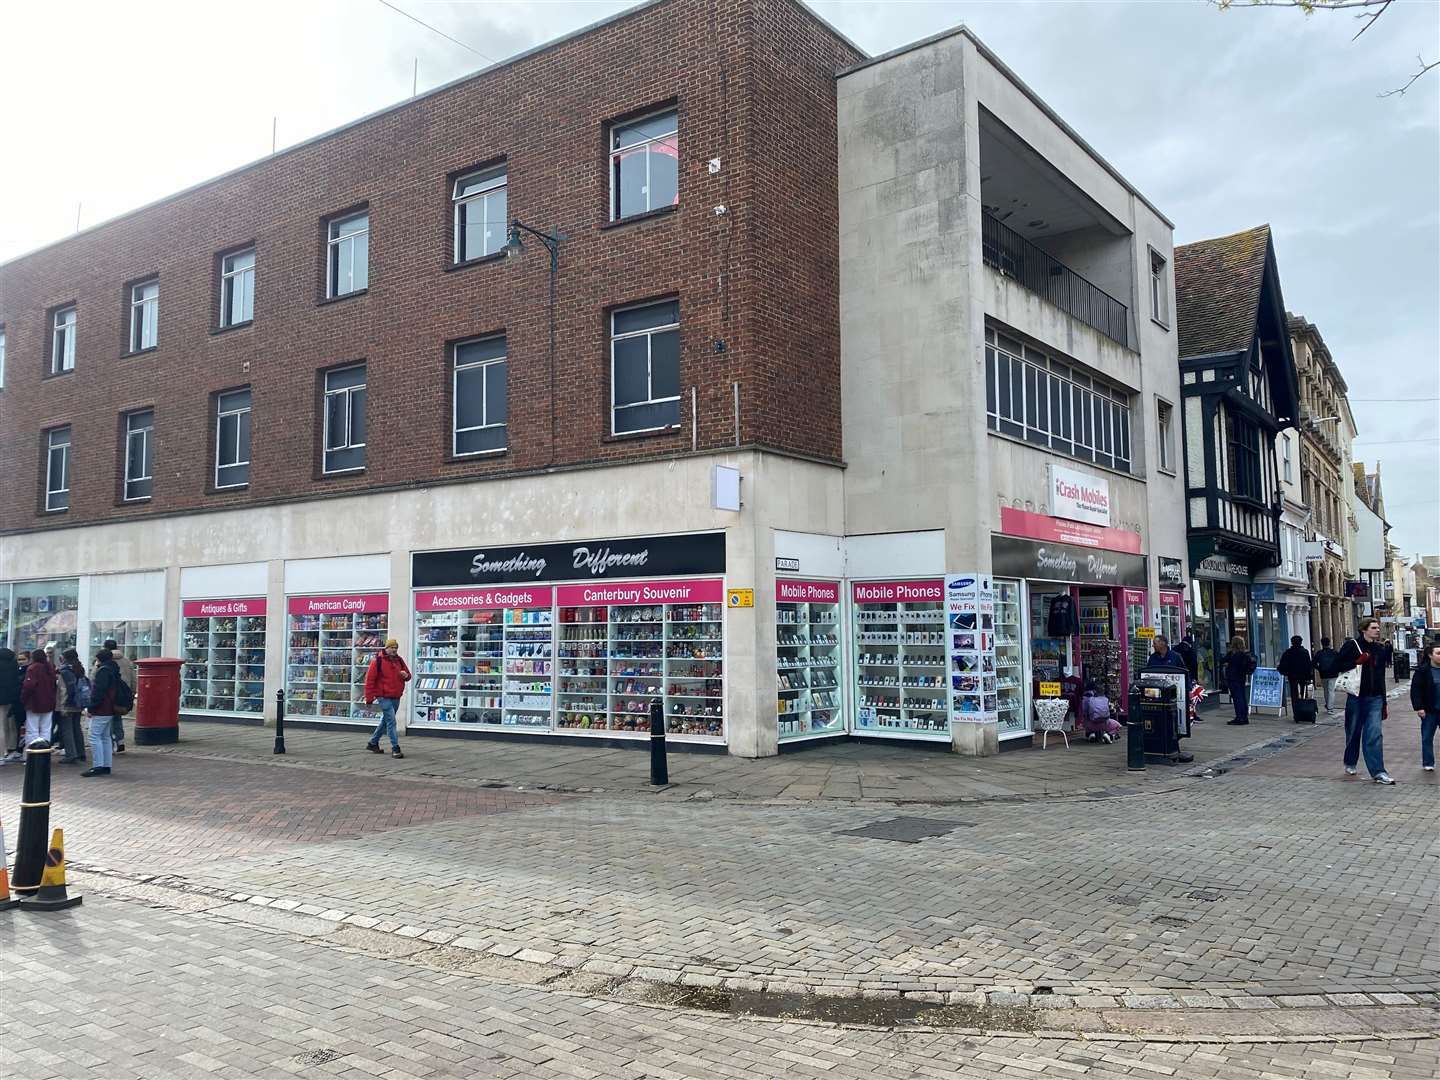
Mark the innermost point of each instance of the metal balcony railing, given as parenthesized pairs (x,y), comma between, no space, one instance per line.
(1015,257)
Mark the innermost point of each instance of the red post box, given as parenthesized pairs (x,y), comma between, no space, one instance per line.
(157,700)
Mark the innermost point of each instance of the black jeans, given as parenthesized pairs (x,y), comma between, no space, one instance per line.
(1240,697)
(72,741)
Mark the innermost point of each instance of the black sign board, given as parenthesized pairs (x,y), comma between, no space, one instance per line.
(1047,561)
(1172,571)
(583,560)
(787,564)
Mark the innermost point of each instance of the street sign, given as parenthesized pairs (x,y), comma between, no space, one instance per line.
(738,598)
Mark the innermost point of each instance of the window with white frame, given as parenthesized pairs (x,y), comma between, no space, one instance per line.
(644,165)
(57,469)
(139,454)
(1289,467)
(1050,402)
(345,419)
(232,438)
(480,395)
(1159,294)
(144,316)
(480,214)
(645,367)
(348,257)
(237,288)
(62,341)
(1165,423)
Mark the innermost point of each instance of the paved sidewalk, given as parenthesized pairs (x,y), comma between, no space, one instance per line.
(847,771)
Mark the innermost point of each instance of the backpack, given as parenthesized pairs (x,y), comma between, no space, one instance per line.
(80,697)
(124,697)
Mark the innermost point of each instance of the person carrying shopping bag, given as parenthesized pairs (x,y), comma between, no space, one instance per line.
(1363,661)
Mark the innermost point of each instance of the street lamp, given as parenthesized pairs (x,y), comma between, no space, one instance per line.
(514,248)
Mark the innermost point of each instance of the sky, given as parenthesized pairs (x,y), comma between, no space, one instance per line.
(1224,119)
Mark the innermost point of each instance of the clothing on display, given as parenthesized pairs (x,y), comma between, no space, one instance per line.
(1061,622)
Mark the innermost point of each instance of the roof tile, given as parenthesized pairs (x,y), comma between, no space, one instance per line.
(1217,291)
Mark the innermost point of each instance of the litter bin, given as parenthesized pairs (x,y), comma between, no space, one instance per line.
(1153,704)
(157,700)
(1402,664)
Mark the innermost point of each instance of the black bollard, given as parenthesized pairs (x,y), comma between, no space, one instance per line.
(1135,743)
(34,839)
(279,721)
(659,769)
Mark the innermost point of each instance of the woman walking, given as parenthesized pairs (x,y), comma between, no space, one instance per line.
(37,694)
(10,718)
(102,710)
(1239,666)
(76,698)
(1425,698)
(1365,711)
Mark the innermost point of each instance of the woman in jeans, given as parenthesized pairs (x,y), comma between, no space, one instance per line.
(1239,666)
(68,716)
(102,711)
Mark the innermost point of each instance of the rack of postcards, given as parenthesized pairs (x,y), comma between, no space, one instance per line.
(1009,660)
(621,646)
(330,642)
(807,657)
(484,657)
(900,649)
(223,646)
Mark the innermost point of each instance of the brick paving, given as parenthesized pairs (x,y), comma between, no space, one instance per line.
(121,991)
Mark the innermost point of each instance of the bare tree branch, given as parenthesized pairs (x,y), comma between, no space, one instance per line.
(1370,17)
(1424,67)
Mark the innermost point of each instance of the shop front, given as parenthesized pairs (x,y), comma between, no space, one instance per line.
(36,613)
(900,650)
(330,641)
(128,609)
(1220,610)
(573,639)
(223,648)
(1070,599)
(808,659)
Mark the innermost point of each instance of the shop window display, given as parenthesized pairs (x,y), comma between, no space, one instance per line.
(1099,649)
(1135,621)
(900,657)
(223,648)
(45,612)
(1009,660)
(807,658)
(137,638)
(1049,654)
(330,643)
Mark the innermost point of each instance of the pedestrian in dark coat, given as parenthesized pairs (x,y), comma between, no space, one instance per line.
(10,715)
(1296,665)
(1425,698)
(1240,664)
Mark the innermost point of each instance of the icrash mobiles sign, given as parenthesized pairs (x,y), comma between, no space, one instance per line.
(1079,496)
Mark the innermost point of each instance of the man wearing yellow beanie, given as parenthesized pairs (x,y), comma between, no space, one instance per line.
(384,683)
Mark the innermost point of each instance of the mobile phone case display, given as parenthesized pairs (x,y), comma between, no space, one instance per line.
(807,657)
(1009,660)
(623,645)
(329,646)
(224,653)
(900,659)
(1099,652)
(484,657)
(970,641)
(137,638)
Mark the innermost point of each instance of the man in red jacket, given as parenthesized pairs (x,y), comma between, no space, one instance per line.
(384,683)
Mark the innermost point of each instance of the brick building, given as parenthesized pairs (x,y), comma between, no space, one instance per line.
(321,400)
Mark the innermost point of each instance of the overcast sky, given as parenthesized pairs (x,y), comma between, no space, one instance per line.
(1223,119)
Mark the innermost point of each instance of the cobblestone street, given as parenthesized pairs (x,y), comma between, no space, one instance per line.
(261,910)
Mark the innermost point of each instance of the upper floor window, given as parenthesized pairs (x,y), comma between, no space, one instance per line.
(62,341)
(1049,402)
(645,367)
(1159,294)
(57,469)
(480,394)
(644,165)
(1165,421)
(345,419)
(1244,458)
(480,214)
(1289,468)
(139,454)
(237,288)
(232,439)
(144,316)
(349,256)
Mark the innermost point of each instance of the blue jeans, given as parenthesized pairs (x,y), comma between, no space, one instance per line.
(1362,730)
(386,726)
(1429,724)
(100,745)
(1240,697)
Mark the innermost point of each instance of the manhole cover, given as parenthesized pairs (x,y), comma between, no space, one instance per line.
(906,830)
(318,1057)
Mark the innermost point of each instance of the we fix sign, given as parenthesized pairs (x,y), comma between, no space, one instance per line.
(1079,496)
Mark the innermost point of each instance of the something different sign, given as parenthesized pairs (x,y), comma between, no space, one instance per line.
(1013,557)
(1079,496)
(650,556)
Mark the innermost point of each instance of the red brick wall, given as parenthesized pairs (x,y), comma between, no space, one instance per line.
(753,83)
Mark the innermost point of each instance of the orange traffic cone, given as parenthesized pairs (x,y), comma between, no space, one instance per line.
(52,895)
(6,900)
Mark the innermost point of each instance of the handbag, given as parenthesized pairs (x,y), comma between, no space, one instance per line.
(1348,682)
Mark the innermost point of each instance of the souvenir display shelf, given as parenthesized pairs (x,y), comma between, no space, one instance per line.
(224,668)
(327,656)
(614,660)
(900,657)
(807,666)
(1009,660)
(1099,652)
(484,668)
(138,639)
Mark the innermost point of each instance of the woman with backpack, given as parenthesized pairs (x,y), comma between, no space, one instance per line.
(104,691)
(37,694)
(74,699)
(1239,666)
